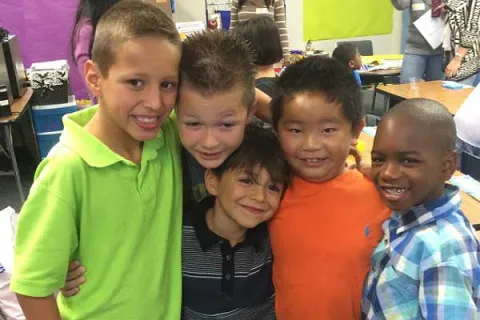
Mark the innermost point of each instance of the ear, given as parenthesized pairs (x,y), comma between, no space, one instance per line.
(449,165)
(211,182)
(351,64)
(356,131)
(93,78)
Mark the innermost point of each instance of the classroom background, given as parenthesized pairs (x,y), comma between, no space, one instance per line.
(43,29)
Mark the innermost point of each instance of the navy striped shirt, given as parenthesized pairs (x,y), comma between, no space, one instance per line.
(221,282)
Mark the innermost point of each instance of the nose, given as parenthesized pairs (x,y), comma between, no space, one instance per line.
(153,98)
(391,171)
(258,193)
(311,142)
(209,140)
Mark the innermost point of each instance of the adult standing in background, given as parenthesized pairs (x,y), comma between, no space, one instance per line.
(246,9)
(461,39)
(88,14)
(420,61)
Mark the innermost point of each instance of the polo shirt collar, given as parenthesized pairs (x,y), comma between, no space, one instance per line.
(208,238)
(94,152)
(430,211)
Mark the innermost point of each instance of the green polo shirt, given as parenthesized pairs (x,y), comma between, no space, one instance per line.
(123,222)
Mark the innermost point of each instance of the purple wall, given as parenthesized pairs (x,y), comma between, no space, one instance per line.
(44,28)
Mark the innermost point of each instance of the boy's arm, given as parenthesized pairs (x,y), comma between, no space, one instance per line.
(446,293)
(262,106)
(39,308)
(46,236)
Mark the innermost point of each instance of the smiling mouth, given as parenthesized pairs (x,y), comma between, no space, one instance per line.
(254,210)
(210,155)
(312,162)
(147,122)
(394,193)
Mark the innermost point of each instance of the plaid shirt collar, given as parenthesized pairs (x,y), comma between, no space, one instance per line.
(429,211)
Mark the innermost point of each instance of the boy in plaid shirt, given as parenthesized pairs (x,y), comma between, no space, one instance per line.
(427,266)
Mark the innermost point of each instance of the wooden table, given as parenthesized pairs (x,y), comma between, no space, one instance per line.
(19,108)
(470,205)
(452,99)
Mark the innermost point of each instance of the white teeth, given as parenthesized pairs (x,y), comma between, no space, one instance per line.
(147,119)
(395,190)
(312,160)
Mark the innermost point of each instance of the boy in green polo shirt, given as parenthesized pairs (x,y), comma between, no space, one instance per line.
(104,194)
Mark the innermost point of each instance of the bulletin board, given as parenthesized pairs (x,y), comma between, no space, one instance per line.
(333,19)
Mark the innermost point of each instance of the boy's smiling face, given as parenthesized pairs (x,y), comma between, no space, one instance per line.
(409,165)
(247,199)
(315,136)
(140,89)
(211,126)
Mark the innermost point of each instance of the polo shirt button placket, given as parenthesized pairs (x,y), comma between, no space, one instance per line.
(228,276)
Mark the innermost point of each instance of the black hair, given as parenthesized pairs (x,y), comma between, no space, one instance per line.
(268,3)
(217,61)
(262,34)
(320,75)
(428,114)
(344,53)
(91,11)
(260,147)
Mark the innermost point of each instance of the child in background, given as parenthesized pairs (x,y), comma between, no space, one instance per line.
(427,266)
(347,54)
(104,194)
(227,258)
(87,17)
(262,35)
(330,219)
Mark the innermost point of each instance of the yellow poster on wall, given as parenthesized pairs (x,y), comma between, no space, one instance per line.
(333,19)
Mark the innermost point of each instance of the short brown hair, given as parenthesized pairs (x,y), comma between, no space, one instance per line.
(260,147)
(218,61)
(126,20)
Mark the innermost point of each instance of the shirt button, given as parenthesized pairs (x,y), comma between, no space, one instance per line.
(229,257)
(220,242)
(228,276)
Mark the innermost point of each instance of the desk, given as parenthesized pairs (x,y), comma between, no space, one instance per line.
(470,206)
(19,108)
(452,99)
(376,77)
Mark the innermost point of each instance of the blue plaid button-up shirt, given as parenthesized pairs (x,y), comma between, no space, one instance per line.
(427,266)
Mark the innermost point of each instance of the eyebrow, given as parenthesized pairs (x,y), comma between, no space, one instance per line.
(322,121)
(399,153)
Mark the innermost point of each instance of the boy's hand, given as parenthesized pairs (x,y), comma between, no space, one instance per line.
(360,165)
(75,278)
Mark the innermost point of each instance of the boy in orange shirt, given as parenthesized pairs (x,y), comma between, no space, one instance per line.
(330,219)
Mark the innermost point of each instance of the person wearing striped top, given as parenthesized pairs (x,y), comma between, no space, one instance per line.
(226,255)
(246,9)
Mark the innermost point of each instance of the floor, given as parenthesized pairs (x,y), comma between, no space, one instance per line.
(9,195)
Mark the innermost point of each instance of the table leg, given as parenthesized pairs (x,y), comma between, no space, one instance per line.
(374,96)
(11,151)
(37,151)
(386,102)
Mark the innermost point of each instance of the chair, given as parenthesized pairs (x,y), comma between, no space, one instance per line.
(365,47)
(471,165)
(371,120)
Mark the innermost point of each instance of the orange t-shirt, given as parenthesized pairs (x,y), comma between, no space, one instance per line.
(322,238)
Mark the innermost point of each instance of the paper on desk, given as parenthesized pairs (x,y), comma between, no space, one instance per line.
(467,184)
(7,235)
(431,28)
